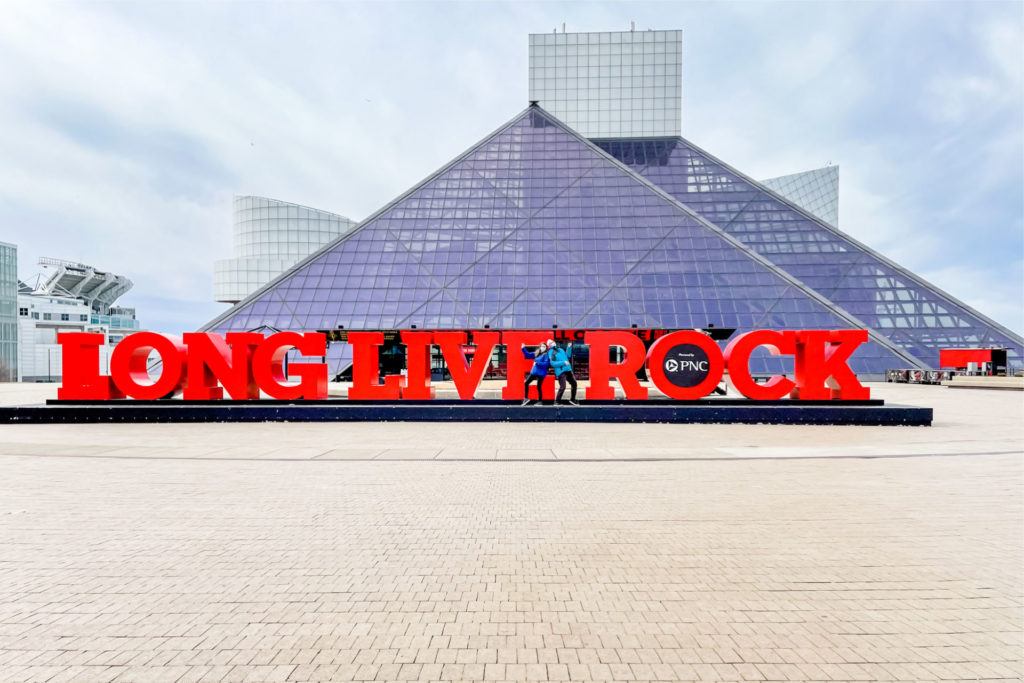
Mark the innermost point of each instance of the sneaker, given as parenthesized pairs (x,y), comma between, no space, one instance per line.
(526,402)
(573,403)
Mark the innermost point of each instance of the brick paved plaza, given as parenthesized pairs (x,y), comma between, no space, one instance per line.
(279,552)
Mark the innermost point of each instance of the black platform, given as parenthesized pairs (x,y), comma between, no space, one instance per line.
(705,411)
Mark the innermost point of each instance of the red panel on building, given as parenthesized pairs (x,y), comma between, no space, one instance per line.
(959,358)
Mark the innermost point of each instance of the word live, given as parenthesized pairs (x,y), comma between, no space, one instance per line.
(682,364)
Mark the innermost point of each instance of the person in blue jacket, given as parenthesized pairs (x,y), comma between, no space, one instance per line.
(541,365)
(562,367)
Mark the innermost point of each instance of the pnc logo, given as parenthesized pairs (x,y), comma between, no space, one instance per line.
(673,365)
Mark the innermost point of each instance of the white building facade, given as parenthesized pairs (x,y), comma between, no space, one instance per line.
(610,84)
(269,236)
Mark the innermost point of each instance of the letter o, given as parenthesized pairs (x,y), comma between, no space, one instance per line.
(656,363)
(737,357)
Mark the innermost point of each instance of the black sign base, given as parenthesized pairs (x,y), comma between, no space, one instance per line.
(707,411)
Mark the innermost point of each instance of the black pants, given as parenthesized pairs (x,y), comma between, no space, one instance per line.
(540,391)
(562,379)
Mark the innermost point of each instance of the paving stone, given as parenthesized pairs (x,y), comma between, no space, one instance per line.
(749,561)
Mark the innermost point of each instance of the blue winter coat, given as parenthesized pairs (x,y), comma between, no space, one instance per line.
(559,361)
(541,363)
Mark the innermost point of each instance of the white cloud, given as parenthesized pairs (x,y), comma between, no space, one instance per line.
(993,81)
(954,98)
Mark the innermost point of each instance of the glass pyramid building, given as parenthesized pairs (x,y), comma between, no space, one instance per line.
(887,298)
(537,226)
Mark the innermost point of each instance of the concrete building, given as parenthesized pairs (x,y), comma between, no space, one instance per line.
(269,236)
(8,313)
(610,84)
(68,297)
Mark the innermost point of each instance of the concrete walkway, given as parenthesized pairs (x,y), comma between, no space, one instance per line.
(967,421)
(504,552)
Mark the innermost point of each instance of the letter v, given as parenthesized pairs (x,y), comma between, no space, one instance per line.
(466,376)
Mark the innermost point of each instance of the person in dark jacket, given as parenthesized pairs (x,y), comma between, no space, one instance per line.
(541,365)
(562,367)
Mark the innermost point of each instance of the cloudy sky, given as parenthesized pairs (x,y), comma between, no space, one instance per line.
(125,129)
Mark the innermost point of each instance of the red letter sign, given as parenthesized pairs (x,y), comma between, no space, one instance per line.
(268,364)
(602,370)
(518,366)
(706,371)
(366,370)
(80,362)
(417,365)
(821,369)
(466,376)
(737,358)
(129,365)
(682,364)
(211,360)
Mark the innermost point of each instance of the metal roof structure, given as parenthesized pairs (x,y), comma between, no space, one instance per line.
(98,288)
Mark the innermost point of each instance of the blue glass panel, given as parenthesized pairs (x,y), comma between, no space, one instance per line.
(536,227)
(909,311)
